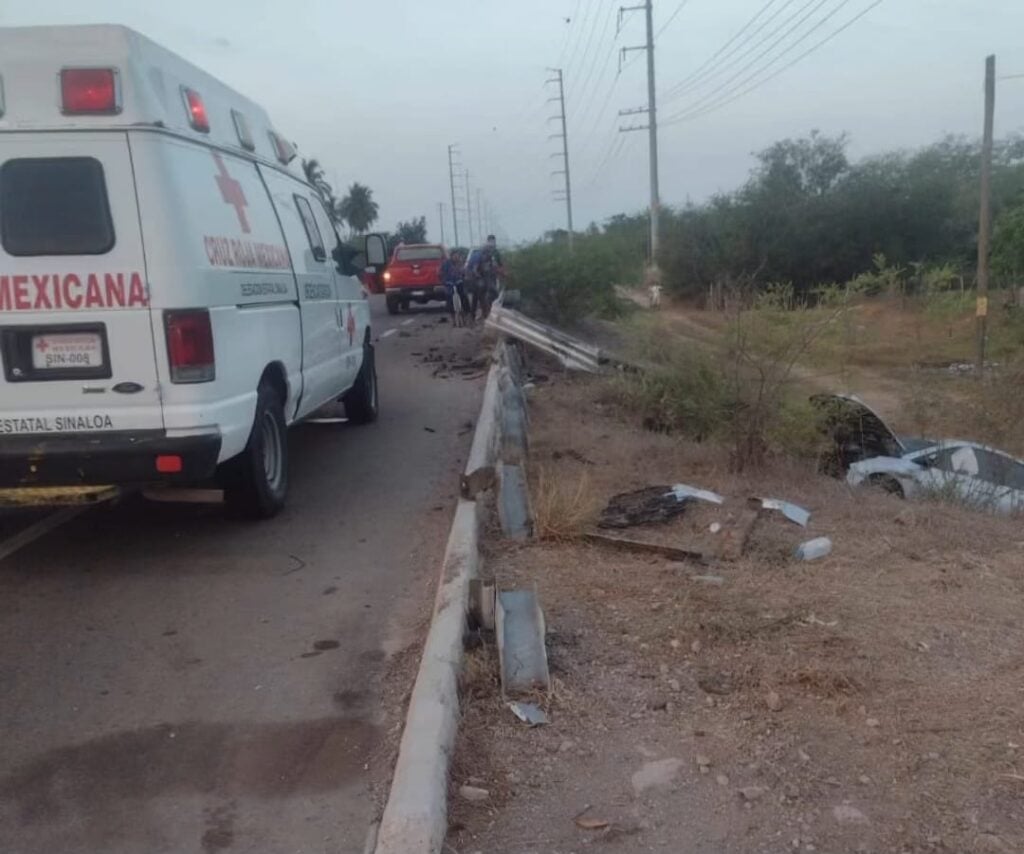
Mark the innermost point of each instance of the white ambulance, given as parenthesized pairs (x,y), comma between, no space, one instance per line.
(172,291)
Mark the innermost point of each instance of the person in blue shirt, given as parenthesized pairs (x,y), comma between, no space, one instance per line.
(483,272)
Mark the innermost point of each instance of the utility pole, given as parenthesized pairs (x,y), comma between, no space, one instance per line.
(469,211)
(985,215)
(479,216)
(451,182)
(440,218)
(652,117)
(564,136)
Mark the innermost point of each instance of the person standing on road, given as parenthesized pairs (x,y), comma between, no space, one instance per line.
(490,268)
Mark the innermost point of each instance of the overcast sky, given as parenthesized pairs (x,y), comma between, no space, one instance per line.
(377,89)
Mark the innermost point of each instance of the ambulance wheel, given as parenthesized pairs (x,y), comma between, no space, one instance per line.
(361,401)
(256,481)
(392,305)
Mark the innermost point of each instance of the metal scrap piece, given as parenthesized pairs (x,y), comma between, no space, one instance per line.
(793,512)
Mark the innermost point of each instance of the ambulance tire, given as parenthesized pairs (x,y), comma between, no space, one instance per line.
(392,303)
(361,401)
(256,481)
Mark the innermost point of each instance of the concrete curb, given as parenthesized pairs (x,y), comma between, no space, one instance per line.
(415,818)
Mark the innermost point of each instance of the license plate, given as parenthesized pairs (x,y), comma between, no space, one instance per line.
(60,351)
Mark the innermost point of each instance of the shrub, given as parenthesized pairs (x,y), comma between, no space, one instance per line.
(562,286)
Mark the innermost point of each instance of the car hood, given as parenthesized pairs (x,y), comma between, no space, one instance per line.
(857,432)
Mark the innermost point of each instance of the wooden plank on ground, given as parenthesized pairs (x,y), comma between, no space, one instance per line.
(634,545)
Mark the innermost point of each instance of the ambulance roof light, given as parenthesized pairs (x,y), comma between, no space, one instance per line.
(90,91)
(242,131)
(284,150)
(196,110)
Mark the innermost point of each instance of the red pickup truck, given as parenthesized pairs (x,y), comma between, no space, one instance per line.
(414,274)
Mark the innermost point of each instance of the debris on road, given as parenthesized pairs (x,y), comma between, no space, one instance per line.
(814,549)
(529,713)
(793,512)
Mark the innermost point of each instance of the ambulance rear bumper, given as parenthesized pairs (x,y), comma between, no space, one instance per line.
(122,457)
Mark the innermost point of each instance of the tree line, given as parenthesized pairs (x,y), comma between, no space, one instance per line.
(807,216)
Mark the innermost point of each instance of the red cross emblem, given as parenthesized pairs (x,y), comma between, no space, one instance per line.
(350,325)
(42,345)
(231,191)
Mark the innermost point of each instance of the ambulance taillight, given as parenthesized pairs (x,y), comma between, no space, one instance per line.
(89,91)
(190,346)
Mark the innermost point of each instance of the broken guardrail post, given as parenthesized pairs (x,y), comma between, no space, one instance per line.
(520,629)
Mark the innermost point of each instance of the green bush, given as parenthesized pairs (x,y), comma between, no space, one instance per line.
(564,287)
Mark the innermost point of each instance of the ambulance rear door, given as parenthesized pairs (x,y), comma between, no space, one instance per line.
(76,342)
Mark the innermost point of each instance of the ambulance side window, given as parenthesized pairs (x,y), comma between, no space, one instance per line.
(55,206)
(316,241)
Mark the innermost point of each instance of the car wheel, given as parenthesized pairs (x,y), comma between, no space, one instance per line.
(256,481)
(887,483)
(392,304)
(362,403)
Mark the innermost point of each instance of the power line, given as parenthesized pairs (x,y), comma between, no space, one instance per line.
(568,30)
(578,41)
(597,118)
(671,18)
(581,101)
(594,28)
(617,142)
(688,115)
(816,5)
(701,72)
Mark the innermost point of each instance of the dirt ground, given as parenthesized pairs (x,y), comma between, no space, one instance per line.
(868,701)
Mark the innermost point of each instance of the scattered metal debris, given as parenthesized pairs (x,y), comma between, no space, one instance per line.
(814,549)
(529,713)
(682,491)
(650,504)
(716,580)
(793,512)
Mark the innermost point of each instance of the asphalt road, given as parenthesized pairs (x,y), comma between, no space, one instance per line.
(173,681)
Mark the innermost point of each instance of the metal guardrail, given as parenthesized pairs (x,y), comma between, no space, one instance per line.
(571,352)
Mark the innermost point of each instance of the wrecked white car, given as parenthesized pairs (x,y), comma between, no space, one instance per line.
(869,452)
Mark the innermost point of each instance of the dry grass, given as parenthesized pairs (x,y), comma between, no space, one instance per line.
(563,509)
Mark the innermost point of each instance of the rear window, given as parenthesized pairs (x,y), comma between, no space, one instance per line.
(419,253)
(54,206)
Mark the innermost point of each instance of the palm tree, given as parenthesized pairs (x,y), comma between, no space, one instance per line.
(316,176)
(358,208)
